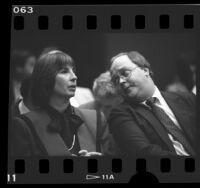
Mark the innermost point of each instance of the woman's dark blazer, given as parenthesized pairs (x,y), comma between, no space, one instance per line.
(26,140)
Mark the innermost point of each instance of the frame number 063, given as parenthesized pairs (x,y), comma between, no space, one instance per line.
(23,10)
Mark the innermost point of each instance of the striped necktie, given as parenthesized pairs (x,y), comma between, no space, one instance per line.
(169,124)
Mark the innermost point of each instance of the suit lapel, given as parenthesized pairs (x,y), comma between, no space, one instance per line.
(53,142)
(159,129)
(182,114)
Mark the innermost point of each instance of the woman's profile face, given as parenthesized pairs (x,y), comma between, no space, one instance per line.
(65,83)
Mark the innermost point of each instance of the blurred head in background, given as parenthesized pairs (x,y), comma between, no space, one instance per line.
(185,74)
(22,64)
(105,94)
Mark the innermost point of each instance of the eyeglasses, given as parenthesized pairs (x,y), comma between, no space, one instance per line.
(123,74)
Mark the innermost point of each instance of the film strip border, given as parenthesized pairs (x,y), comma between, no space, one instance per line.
(115,22)
(127,18)
(107,19)
(102,170)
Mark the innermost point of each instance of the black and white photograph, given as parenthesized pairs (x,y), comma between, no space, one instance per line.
(82,93)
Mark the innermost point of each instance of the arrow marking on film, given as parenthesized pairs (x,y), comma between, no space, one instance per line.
(91,177)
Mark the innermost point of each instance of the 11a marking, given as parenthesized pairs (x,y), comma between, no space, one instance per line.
(107,177)
(11,178)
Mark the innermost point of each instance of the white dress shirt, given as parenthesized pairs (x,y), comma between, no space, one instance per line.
(163,105)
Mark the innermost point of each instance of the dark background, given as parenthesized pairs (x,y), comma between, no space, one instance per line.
(92,51)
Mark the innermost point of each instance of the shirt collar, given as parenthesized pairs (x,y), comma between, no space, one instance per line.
(156,94)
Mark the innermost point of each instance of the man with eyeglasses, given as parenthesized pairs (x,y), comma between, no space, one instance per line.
(149,121)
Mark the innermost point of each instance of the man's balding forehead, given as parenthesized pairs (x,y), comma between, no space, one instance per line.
(119,55)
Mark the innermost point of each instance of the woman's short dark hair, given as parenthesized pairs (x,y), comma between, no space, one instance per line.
(137,59)
(44,73)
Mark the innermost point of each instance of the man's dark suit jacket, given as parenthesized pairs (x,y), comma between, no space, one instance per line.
(138,132)
(36,140)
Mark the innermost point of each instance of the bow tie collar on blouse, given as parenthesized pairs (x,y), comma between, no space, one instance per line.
(68,116)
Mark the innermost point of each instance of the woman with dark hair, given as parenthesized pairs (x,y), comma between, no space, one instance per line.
(55,128)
